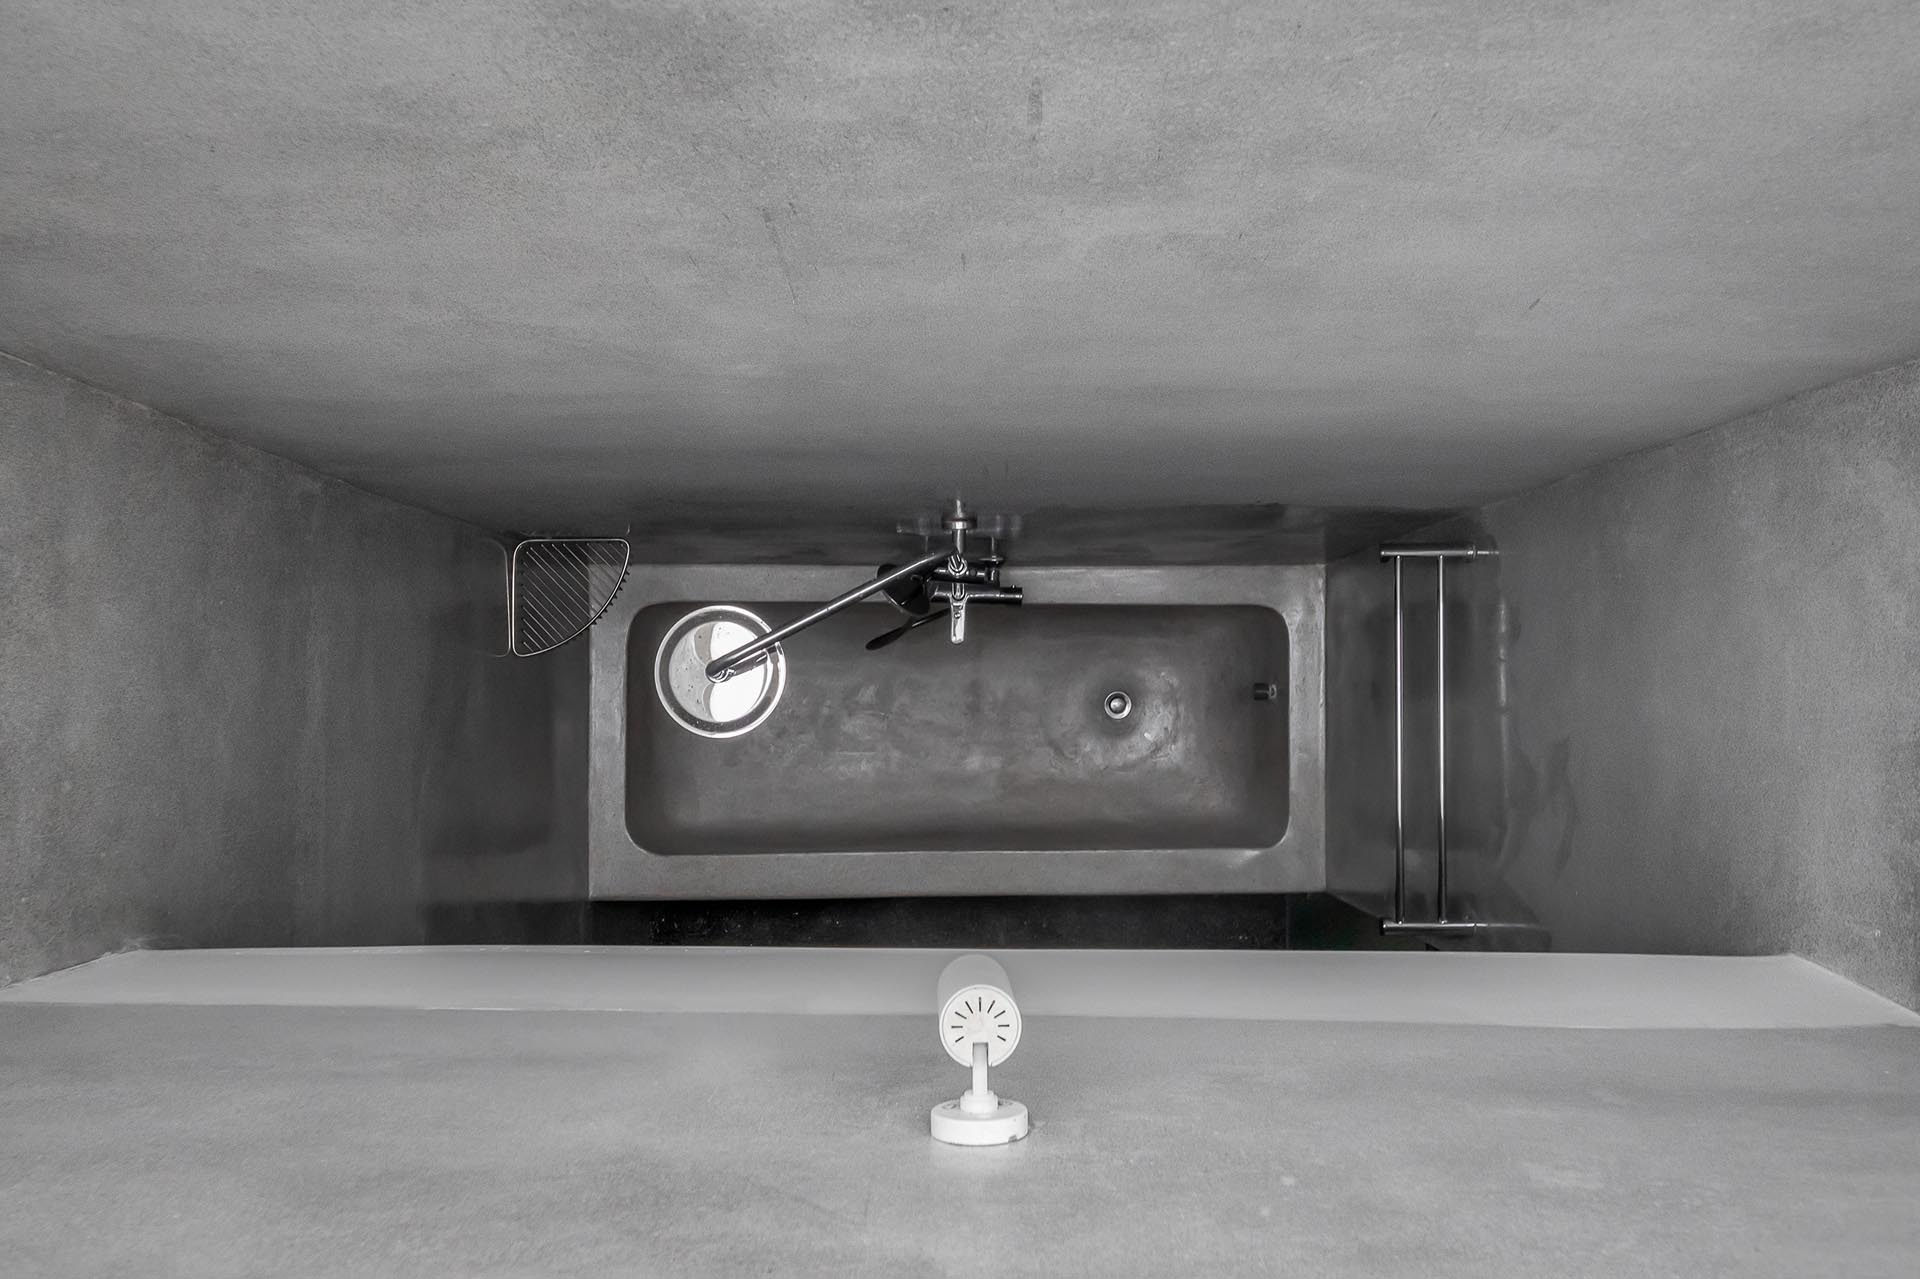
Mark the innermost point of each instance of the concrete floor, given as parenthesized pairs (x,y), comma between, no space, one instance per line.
(226,1140)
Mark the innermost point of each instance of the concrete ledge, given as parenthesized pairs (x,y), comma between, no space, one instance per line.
(1566,991)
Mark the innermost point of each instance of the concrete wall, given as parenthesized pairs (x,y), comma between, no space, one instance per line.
(1703,734)
(244,705)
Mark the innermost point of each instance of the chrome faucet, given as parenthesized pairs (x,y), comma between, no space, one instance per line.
(963,582)
(946,574)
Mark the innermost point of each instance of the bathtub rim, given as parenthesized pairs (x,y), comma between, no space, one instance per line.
(620,869)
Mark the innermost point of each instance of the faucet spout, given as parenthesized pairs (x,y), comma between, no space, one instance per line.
(961,594)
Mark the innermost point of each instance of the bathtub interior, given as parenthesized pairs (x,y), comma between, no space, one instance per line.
(1001,743)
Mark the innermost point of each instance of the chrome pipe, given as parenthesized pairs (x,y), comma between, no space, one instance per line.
(1440,734)
(1399,742)
(726,664)
(972,574)
(981,594)
(1456,927)
(1434,551)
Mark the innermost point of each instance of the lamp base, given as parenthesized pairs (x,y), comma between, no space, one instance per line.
(1006,1122)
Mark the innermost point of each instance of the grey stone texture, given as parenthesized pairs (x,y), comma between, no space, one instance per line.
(1687,696)
(241,704)
(1715,686)
(542,264)
(366,1142)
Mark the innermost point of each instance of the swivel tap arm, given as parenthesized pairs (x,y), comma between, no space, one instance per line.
(946,575)
(728,663)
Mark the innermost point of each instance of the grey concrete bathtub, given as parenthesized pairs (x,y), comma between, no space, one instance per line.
(988,768)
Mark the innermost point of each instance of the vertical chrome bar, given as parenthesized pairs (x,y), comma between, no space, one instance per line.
(1440,712)
(513,600)
(1399,742)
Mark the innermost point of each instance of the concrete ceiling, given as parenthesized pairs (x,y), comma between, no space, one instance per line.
(553,264)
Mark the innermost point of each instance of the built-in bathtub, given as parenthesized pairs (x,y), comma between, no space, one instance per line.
(990,767)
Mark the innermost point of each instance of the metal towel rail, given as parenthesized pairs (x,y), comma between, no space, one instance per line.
(1439,553)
